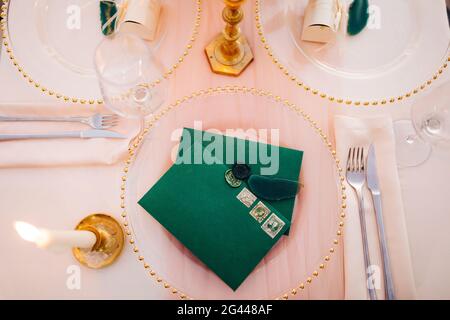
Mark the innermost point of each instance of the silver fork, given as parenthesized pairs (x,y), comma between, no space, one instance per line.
(356,179)
(96,121)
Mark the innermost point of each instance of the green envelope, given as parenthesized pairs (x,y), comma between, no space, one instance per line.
(225,227)
(240,150)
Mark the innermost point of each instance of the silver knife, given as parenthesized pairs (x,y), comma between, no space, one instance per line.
(373,185)
(65,134)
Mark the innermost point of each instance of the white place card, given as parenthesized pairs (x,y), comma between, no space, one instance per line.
(141,18)
(321,20)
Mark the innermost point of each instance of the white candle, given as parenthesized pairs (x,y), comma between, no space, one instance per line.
(55,240)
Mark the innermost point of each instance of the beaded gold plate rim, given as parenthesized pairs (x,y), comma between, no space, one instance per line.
(339,100)
(137,143)
(66,98)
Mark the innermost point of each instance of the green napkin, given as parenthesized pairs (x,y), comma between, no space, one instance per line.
(270,161)
(227,228)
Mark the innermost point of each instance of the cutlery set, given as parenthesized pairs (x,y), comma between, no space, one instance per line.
(98,122)
(361,173)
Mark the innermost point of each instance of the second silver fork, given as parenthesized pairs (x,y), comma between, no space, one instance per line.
(96,121)
(356,179)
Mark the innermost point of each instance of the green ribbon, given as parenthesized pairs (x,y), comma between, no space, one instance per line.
(108,16)
(272,189)
(358,15)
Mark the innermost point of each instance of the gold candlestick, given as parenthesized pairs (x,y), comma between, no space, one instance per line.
(110,240)
(229,53)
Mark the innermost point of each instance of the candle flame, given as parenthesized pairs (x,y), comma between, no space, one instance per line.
(27,231)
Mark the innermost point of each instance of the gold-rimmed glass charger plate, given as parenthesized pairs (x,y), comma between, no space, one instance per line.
(317,211)
(54,40)
(404,45)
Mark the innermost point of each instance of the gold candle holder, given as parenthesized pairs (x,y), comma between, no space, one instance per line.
(109,244)
(229,53)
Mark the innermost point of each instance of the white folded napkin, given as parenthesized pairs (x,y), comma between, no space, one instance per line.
(60,152)
(361,132)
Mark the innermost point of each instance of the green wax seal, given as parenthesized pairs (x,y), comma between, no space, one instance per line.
(231,179)
(241,171)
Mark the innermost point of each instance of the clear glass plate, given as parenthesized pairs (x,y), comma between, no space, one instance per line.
(315,222)
(48,17)
(389,57)
(55,40)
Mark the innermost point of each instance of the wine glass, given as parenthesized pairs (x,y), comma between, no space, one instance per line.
(429,126)
(131,78)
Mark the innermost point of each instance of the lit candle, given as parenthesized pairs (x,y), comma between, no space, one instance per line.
(56,240)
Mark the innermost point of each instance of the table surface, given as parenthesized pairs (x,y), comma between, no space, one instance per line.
(57,203)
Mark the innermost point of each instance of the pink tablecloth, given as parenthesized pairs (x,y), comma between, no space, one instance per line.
(60,197)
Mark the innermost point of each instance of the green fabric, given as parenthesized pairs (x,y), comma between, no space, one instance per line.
(107,10)
(197,206)
(290,160)
(358,15)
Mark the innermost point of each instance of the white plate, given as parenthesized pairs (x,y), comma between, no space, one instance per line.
(403,45)
(55,40)
(316,214)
